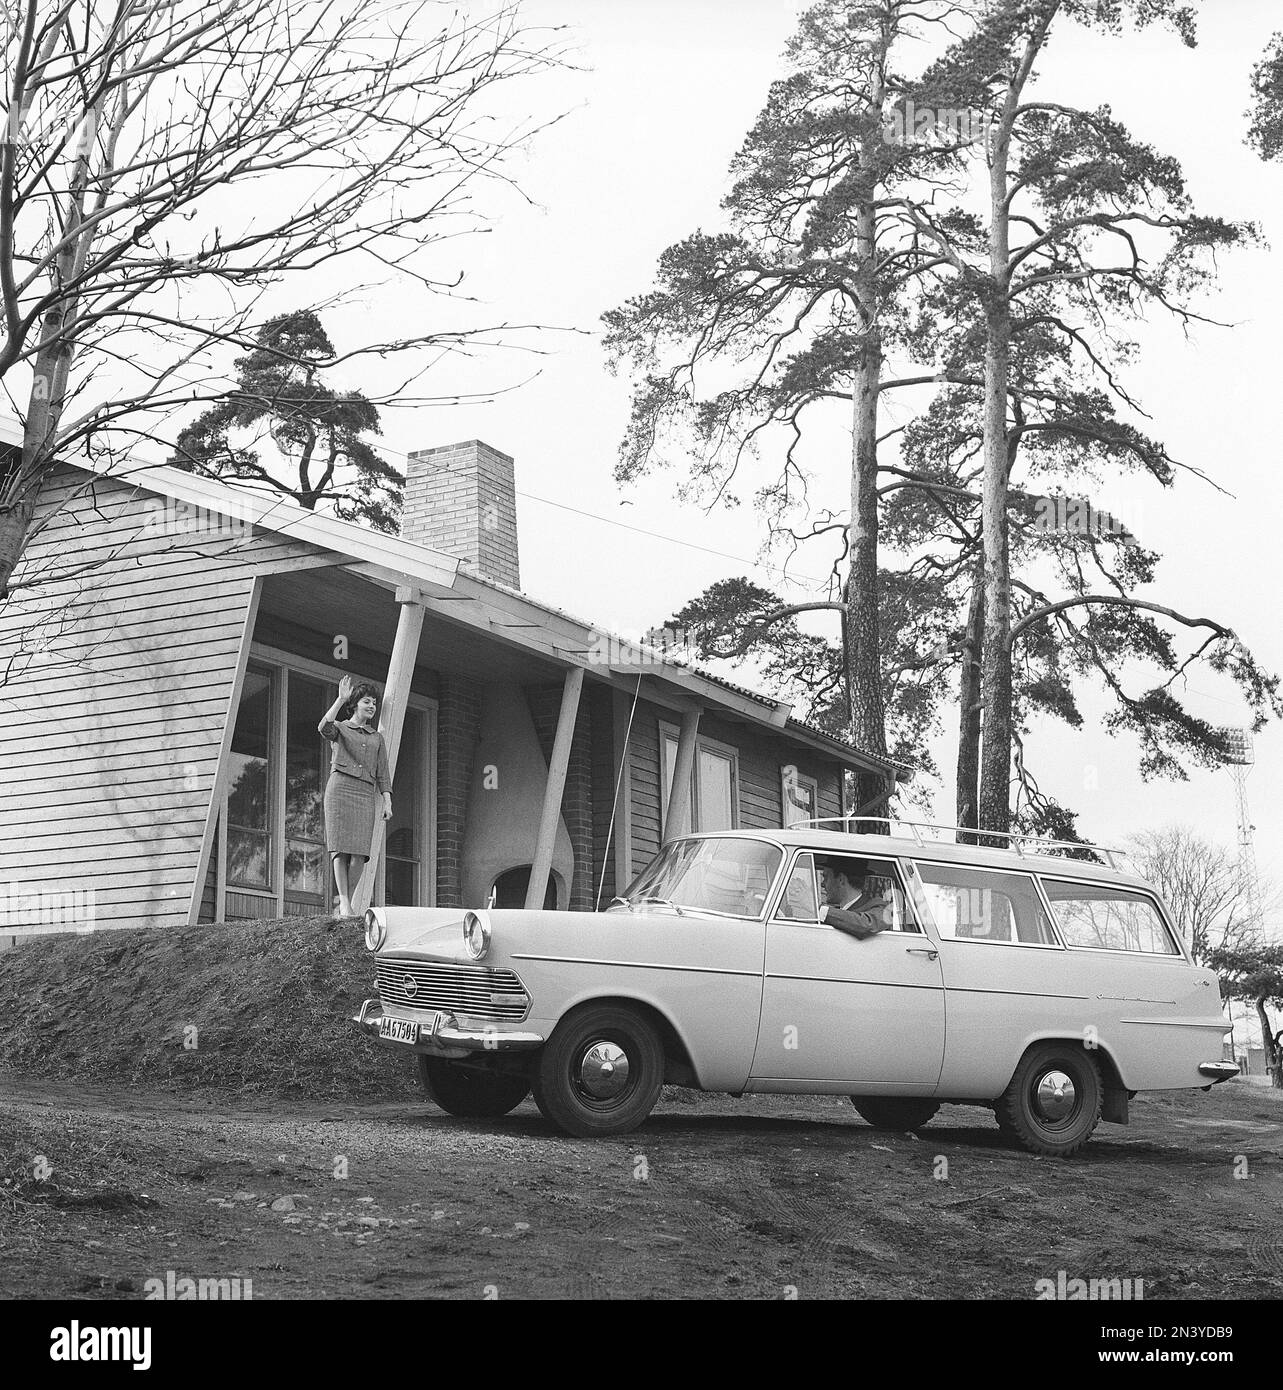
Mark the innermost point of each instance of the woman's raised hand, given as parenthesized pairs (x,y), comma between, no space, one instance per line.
(346,686)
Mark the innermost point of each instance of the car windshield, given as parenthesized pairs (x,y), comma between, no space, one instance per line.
(726,875)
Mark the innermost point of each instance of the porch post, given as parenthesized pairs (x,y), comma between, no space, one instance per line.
(556,786)
(678,820)
(623,806)
(396,695)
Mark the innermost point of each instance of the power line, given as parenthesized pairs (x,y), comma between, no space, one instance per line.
(578,511)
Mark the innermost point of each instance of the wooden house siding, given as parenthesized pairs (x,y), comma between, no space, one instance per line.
(760,758)
(644,784)
(120,665)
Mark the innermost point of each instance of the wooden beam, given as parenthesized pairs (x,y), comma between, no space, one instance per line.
(623,847)
(327,559)
(396,696)
(218,792)
(555,788)
(678,820)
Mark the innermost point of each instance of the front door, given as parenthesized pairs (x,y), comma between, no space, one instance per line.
(844,1015)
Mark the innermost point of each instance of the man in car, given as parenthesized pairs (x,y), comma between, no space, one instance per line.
(854,899)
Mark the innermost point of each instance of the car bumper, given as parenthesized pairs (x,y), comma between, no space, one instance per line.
(440,1035)
(1218,1071)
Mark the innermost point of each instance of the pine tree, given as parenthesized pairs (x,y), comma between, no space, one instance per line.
(324,461)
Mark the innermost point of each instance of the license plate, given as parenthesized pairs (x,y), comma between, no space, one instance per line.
(398,1030)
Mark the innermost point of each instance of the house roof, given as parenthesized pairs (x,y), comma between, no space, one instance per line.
(441,578)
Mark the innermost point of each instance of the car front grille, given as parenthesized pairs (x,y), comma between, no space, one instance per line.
(478,990)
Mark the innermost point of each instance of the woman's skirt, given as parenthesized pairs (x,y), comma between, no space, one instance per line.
(349,814)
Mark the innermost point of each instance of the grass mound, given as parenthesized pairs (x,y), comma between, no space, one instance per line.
(254,1007)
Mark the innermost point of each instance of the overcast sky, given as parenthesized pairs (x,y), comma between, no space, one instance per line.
(668,90)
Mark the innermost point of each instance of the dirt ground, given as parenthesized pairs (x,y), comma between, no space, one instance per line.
(754,1198)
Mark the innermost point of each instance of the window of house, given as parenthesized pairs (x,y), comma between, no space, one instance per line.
(275,859)
(403,872)
(714,781)
(1097,917)
(306,768)
(799,797)
(985,905)
(249,784)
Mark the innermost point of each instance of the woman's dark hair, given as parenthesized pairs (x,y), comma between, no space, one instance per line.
(362,690)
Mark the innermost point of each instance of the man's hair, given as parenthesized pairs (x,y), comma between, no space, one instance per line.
(850,869)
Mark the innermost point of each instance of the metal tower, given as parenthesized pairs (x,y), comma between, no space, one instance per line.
(1240,757)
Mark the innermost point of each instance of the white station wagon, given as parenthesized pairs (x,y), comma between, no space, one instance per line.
(1048,989)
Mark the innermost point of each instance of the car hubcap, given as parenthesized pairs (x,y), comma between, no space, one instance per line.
(603,1070)
(1055,1096)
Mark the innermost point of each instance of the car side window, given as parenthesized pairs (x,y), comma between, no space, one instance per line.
(800,901)
(881,888)
(983,905)
(1097,917)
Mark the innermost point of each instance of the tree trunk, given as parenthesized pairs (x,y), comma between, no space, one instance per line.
(1273,1059)
(861,641)
(967,781)
(995,670)
(50,377)
(15,521)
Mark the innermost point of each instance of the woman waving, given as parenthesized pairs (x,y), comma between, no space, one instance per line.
(358,777)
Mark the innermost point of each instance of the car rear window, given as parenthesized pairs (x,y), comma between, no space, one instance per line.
(1096,917)
(984,905)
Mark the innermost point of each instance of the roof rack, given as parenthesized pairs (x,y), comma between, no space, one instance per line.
(1018,841)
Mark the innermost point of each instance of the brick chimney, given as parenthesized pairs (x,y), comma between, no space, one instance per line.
(462,499)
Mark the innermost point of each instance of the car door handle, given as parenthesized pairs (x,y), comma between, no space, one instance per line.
(929,951)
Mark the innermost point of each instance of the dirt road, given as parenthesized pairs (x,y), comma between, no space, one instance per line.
(752,1198)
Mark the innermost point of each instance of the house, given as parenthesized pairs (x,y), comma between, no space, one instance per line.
(170,644)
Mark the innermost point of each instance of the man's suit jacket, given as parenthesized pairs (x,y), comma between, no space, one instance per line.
(865,915)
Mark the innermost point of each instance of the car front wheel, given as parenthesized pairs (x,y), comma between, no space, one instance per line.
(895,1112)
(472,1092)
(1053,1102)
(600,1072)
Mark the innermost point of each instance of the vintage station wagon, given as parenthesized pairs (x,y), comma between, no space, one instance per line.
(1049,989)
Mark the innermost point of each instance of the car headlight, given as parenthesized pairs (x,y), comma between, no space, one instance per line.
(476,935)
(376,929)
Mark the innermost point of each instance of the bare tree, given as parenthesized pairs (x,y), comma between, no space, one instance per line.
(166,165)
(1202,884)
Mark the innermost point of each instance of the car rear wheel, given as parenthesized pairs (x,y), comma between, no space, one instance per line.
(1053,1102)
(895,1112)
(600,1072)
(472,1092)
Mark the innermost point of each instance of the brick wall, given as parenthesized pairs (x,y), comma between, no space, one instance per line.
(458,726)
(577,799)
(462,499)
